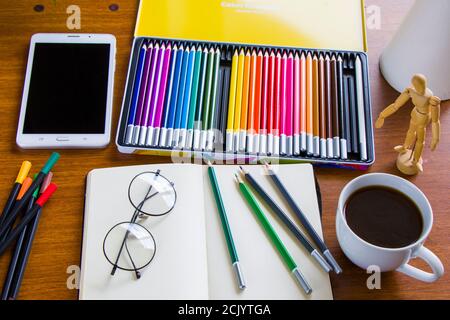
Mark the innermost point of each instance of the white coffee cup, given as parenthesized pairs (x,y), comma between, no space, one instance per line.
(365,254)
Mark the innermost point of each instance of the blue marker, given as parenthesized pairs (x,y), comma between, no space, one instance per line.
(174,96)
(180,104)
(135,96)
(187,99)
(167,101)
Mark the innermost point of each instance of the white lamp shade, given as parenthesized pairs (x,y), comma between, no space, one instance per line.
(421,45)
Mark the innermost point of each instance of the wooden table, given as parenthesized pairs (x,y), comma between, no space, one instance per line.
(58,241)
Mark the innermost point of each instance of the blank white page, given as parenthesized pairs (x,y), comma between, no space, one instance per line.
(179,269)
(266,274)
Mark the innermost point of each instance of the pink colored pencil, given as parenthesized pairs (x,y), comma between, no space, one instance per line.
(264,104)
(283,112)
(162,92)
(297,115)
(277,106)
(271,103)
(288,120)
(303,103)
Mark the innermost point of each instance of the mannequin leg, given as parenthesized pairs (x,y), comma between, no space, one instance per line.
(409,140)
(420,143)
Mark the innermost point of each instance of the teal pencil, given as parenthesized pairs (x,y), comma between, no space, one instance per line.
(200,98)
(193,102)
(226,228)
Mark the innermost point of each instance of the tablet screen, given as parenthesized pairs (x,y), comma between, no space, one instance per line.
(68,89)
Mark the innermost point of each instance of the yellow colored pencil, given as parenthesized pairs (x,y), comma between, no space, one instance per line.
(232,101)
(238,104)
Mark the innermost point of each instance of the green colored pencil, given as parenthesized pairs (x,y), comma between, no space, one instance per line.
(287,258)
(193,101)
(200,99)
(226,228)
(213,102)
(208,91)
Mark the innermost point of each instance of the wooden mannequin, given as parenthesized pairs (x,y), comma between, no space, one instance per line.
(426,109)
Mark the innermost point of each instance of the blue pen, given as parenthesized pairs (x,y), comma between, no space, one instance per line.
(135,96)
(187,98)
(180,104)
(174,96)
(167,101)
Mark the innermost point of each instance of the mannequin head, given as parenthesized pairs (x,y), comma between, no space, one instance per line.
(419,83)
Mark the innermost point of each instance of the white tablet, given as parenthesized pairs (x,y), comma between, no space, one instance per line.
(68,92)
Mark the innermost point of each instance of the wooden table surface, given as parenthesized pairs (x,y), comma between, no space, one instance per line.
(58,242)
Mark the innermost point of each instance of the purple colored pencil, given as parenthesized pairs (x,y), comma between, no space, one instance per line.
(148,95)
(162,92)
(142,92)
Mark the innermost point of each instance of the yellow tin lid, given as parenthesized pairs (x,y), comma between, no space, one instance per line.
(320,24)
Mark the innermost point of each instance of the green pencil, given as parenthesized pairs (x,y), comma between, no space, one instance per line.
(287,258)
(200,98)
(207,97)
(193,101)
(226,228)
(212,105)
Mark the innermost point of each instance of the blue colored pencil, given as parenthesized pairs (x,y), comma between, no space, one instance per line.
(135,96)
(180,105)
(167,101)
(187,98)
(174,96)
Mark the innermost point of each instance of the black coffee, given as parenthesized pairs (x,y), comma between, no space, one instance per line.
(384,217)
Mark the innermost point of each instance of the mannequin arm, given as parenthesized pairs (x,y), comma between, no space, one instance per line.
(435,106)
(393,108)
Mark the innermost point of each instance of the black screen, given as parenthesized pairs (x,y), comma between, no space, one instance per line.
(68,89)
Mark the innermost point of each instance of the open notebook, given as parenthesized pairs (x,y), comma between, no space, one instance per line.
(191,260)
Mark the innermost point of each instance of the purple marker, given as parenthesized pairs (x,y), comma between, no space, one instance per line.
(162,93)
(148,96)
(142,91)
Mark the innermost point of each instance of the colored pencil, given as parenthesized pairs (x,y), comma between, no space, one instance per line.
(238,104)
(335,108)
(303,219)
(329,109)
(244,106)
(155,95)
(277,106)
(264,104)
(257,102)
(181,95)
(361,109)
(28,242)
(194,98)
(226,228)
(297,98)
(135,95)
(303,98)
(343,112)
(286,220)
(232,102)
(187,99)
(288,120)
(309,105)
(347,122)
(200,101)
(207,98)
(165,66)
(212,121)
(167,112)
(316,107)
(283,105)
(214,142)
(142,94)
(273,236)
(353,115)
(322,108)
(271,104)
(148,105)
(174,96)
(250,132)
(224,106)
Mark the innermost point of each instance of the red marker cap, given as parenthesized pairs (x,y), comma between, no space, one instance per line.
(46,195)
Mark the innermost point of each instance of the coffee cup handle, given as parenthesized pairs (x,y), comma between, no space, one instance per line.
(431,259)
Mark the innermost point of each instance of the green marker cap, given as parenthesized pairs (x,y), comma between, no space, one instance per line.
(50,163)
